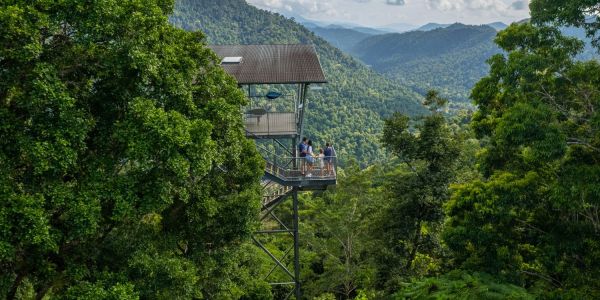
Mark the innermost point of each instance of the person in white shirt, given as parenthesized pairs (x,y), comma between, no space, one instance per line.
(322,161)
(310,158)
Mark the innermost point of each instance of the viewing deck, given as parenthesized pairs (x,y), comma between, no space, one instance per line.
(289,173)
(270,124)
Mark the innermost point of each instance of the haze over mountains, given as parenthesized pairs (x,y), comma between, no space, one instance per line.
(432,26)
(450,58)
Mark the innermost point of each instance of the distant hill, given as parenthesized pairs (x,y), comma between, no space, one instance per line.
(342,38)
(398,27)
(348,111)
(432,26)
(498,25)
(367,30)
(450,59)
(372,31)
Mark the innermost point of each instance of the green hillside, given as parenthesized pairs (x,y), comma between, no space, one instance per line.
(449,59)
(348,111)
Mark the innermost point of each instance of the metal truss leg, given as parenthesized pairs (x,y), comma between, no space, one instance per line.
(291,230)
(296,246)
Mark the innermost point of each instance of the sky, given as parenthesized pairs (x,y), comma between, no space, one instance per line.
(377,13)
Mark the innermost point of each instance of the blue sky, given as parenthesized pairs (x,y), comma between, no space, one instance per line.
(417,12)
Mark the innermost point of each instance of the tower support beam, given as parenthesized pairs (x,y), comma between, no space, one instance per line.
(298,291)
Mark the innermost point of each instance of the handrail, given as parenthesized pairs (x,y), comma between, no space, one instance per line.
(283,123)
(283,166)
(318,168)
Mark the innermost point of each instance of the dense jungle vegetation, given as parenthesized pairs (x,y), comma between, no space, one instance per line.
(125,173)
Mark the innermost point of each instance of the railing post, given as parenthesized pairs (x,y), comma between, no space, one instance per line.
(268,123)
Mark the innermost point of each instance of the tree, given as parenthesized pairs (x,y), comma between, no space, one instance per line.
(533,218)
(124,170)
(408,228)
(336,224)
(578,13)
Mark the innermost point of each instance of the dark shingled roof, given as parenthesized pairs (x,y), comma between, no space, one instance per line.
(273,64)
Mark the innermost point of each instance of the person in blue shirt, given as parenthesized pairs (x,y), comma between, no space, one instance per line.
(329,156)
(302,150)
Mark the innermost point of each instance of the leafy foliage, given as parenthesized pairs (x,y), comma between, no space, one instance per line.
(124,171)
(409,224)
(532,219)
(336,226)
(578,13)
(460,285)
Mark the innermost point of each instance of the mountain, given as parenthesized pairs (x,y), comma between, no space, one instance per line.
(362,29)
(398,27)
(302,20)
(449,59)
(342,38)
(372,31)
(432,26)
(348,111)
(498,26)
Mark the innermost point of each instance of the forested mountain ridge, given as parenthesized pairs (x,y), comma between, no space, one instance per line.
(432,26)
(348,111)
(449,59)
(343,38)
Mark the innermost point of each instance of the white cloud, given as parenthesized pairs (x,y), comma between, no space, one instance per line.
(383,12)
(300,7)
(487,5)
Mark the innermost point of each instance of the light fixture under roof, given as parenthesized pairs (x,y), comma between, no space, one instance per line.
(232,60)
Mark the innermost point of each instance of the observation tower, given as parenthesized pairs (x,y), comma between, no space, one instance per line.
(277,80)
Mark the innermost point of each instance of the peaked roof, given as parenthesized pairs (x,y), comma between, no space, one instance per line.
(272,64)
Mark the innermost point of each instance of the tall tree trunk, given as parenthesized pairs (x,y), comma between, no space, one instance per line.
(416,242)
(15,286)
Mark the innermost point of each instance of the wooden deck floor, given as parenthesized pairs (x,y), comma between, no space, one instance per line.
(271,124)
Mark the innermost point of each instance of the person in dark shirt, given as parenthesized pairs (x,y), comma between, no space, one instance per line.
(329,156)
(302,150)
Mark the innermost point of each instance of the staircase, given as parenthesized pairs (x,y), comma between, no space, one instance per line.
(273,193)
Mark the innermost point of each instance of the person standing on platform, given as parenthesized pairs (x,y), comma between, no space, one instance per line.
(329,155)
(310,158)
(302,149)
(322,162)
